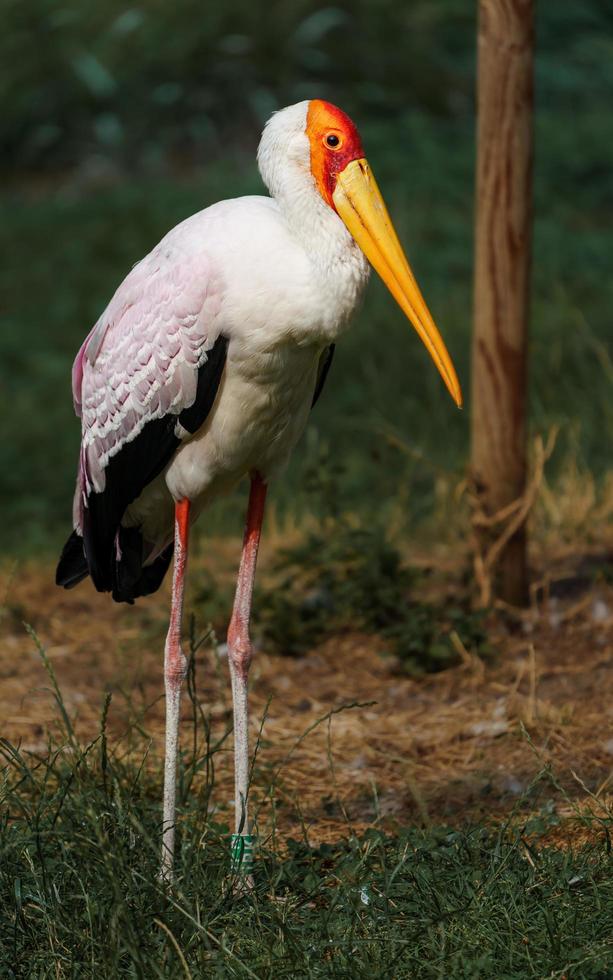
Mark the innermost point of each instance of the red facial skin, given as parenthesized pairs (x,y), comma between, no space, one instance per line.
(323,120)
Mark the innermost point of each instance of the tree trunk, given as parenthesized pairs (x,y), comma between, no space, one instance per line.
(502,280)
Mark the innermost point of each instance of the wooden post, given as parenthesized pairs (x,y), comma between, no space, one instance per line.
(502,280)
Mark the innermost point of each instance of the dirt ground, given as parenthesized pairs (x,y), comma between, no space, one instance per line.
(462,745)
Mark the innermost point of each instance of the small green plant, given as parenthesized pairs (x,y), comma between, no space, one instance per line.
(350,577)
(345,574)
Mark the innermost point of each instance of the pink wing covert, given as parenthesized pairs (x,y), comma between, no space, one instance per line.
(140,361)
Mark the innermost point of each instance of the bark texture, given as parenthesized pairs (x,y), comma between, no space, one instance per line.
(502,280)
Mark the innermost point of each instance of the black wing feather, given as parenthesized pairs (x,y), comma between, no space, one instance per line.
(127,474)
(322,372)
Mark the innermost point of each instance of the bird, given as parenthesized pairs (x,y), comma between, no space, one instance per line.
(202,371)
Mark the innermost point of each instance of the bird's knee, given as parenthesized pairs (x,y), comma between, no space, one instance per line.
(240,650)
(175,666)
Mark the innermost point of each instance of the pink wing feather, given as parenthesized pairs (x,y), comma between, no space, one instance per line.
(140,361)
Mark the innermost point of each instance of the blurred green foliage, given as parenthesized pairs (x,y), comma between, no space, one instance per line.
(117,122)
(144,80)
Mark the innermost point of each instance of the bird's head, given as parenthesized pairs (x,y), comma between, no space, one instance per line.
(315,145)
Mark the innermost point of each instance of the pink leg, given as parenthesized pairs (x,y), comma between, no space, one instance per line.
(175,667)
(239,648)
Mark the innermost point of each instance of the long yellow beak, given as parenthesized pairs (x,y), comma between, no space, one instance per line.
(359,203)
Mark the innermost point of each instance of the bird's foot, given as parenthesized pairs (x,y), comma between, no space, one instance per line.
(241,887)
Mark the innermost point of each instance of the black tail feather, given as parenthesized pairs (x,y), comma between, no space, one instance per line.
(72,567)
(131,579)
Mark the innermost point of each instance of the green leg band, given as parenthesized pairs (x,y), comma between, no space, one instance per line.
(242,848)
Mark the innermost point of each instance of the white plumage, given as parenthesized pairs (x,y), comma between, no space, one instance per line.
(279,277)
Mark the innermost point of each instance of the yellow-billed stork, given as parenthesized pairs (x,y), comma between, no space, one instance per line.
(203,369)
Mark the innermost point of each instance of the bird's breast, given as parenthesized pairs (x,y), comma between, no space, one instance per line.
(277,287)
(260,412)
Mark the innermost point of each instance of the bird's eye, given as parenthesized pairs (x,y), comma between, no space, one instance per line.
(332,140)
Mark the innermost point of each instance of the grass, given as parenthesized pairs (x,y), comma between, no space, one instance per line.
(80,896)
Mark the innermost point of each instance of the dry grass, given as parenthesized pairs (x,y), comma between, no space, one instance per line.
(462,745)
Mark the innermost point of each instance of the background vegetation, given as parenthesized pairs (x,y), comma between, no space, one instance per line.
(117,122)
